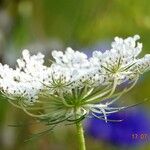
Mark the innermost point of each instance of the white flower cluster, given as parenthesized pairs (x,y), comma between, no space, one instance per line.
(24,81)
(74,82)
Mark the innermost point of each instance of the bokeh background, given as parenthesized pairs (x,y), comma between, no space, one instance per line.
(85,25)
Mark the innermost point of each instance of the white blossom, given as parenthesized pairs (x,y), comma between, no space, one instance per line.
(74,86)
(118,62)
(24,81)
(71,59)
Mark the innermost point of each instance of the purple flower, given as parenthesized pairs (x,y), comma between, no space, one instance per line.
(132,131)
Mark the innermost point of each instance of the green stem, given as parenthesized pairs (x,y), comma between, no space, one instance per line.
(80,136)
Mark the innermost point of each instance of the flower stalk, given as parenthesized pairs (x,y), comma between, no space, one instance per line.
(80,136)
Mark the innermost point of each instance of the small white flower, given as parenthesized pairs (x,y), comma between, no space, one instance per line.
(71,58)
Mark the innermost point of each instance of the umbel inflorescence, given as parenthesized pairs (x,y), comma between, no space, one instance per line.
(74,86)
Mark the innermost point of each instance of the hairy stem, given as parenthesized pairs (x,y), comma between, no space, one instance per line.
(80,136)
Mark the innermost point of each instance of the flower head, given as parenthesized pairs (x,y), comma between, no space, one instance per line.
(73,86)
(118,62)
(23,82)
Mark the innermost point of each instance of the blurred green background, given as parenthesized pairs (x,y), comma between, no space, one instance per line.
(44,25)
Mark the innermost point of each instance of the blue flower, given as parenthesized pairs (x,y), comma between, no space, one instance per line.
(132,131)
